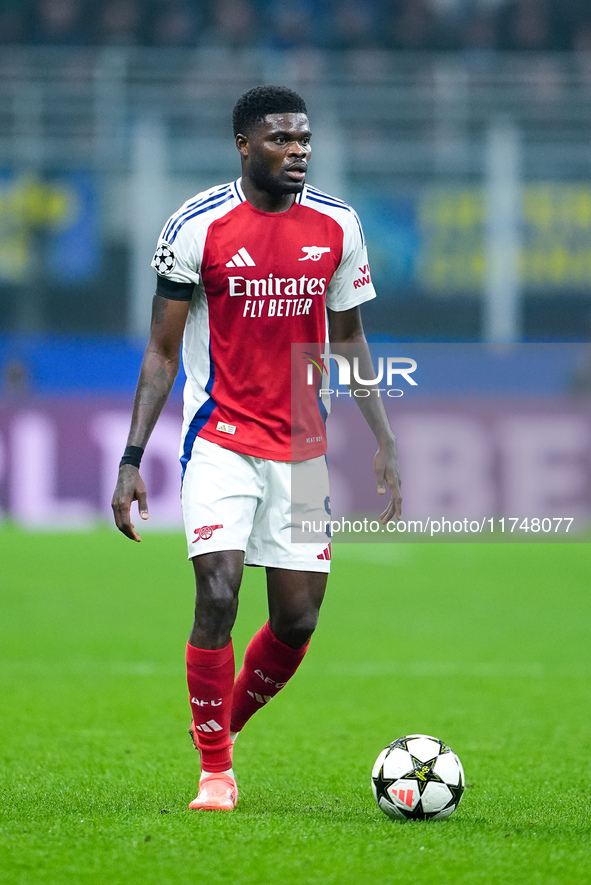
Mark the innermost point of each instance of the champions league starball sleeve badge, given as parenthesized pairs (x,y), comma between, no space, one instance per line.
(164,259)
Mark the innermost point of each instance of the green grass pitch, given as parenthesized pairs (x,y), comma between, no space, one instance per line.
(485,646)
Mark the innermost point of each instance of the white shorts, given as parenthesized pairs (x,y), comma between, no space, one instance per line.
(237,502)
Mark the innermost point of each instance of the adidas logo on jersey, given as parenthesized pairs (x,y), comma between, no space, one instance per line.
(241,259)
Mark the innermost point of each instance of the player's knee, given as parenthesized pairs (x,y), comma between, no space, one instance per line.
(296,631)
(217,603)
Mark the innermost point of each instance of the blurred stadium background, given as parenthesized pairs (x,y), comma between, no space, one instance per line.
(459,129)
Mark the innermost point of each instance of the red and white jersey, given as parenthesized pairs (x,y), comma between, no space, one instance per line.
(258,283)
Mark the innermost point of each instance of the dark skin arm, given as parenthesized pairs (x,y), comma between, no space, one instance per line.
(159,369)
(347,338)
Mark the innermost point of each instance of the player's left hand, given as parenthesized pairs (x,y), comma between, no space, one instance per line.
(130,487)
(385,465)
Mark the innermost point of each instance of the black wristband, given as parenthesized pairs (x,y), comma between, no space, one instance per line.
(132,455)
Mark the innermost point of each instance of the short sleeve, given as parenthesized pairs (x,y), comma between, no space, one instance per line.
(177,258)
(351,283)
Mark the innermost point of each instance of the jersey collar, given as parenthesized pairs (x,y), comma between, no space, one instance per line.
(238,190)
(242,199)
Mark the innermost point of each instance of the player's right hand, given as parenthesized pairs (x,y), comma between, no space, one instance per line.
(130,487)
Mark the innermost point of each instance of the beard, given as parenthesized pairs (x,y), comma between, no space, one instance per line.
(264,180)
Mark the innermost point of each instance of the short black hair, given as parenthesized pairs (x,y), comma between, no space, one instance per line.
(252,107)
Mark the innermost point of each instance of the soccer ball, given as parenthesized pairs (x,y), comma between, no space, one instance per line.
(417,777)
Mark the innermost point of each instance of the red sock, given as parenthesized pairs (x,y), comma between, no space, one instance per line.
(210,677)
(268,664)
